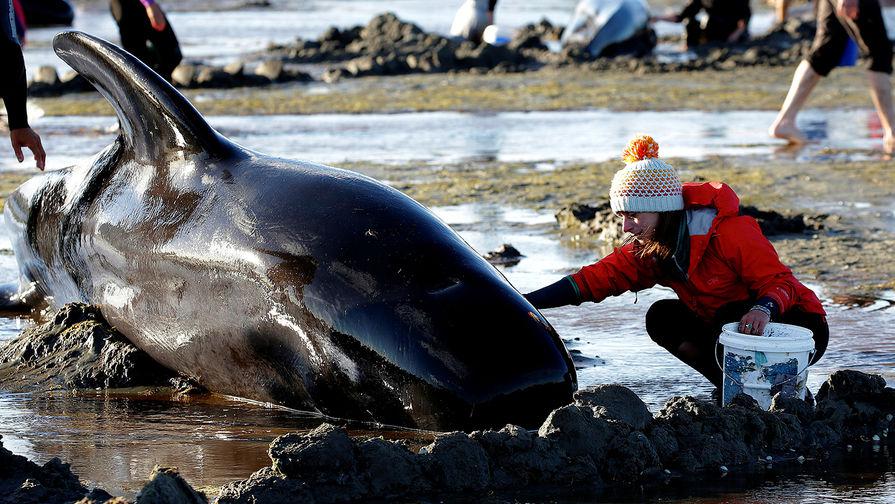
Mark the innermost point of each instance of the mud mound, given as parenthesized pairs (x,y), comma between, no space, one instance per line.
(77,349)
(599,220)
(24,482)
(607,437)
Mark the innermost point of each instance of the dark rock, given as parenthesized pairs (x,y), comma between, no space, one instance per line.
(214,78)
(506,255)
(185,386)
(519,457)
(326,450)
(166,486)
(324,458)
(391,470)
(596,219)
(774,223)
(76,350)
(266,486)
(236,68)
(457,463)
(744,401)
(577,431)
(24,482)
(46,74)
(184,75)
(617,403)
(271,69)
(850,385)
(794,406)
(628,457)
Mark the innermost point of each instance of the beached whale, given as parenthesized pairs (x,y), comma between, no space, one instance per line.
(610,28)
(276,280)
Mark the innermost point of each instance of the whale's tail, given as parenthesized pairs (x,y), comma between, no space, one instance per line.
(156,120)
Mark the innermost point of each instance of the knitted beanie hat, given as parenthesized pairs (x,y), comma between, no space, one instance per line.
(646,183)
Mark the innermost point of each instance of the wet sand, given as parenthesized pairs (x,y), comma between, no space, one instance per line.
(754,88)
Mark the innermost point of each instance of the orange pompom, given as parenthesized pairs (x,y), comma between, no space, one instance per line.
(641,147)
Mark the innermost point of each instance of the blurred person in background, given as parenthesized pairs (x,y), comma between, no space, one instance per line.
(727,21)
(14,87)
(146,33)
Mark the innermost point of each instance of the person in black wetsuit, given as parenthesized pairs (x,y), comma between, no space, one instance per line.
(146,33)
(728,21)
(13,87)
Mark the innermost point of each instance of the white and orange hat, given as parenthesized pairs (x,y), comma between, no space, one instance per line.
(646,183)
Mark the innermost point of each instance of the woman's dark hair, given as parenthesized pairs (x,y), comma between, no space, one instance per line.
(663,243)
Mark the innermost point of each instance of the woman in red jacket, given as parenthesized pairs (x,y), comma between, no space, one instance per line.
(691,238)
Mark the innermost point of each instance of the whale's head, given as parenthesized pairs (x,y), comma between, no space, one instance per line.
(355,300)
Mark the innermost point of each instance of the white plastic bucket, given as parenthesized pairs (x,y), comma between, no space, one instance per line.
(762,366)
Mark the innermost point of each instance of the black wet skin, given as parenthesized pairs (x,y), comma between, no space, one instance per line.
(276,280)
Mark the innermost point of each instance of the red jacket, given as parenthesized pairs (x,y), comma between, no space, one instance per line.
(730,260)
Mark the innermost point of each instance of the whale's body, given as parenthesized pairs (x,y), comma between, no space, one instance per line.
(275,280)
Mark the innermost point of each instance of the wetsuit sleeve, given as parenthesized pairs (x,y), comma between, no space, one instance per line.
(491,5)
(746,249)
(691,10)
(561,293)
(615,274)
(13,85)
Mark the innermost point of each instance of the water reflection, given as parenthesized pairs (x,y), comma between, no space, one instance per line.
(448,137)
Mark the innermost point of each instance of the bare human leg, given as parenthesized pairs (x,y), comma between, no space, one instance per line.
(881,94)
(784,126)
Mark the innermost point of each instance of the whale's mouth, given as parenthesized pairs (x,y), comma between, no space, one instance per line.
(527,408)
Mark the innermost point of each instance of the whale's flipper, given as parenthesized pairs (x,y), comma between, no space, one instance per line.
(156,119)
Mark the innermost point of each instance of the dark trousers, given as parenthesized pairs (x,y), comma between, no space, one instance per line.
(693,340)
(717,29)
(159,50)
(833,32)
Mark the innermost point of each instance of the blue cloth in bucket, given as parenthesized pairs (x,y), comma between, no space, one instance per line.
(850,54)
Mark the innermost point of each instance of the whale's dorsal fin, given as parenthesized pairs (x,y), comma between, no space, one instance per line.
(155,118)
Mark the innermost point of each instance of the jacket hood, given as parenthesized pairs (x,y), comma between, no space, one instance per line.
(709,203)
(717,195)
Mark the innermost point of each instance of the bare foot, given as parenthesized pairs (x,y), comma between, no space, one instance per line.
(889,142)
(787,131)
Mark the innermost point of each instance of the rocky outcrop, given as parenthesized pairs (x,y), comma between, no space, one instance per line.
(24,482)
(599,220)
(606,437)
(77,349)
(505,255)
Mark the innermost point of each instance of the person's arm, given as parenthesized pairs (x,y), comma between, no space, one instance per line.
(13,90)
(615,274)
(13,84)
(561,293)
(155,14)
(736,34)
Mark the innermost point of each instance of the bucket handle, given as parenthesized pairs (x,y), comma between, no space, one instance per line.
(721,366)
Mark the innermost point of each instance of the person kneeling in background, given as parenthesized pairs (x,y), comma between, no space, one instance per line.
(691,238)
(727,21)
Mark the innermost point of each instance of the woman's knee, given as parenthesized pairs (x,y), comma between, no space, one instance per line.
(661,325)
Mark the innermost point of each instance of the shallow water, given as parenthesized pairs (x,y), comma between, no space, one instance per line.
(446,137)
